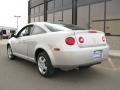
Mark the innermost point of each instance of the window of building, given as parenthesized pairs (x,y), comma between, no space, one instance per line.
(51,5)
(67,16)
(97,26)
(32,11)
(113,27)
(113,17)
(83,16)
(84,2)
(42,8)
(37,9)
(58,3)
(37,19)
(67,3)
(97,16)
(97,11)
(58,17)
(32,20)
(41,18)
(112,9)
(50,18)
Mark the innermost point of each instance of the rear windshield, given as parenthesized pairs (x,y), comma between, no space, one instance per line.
(73,27)
(62,27)
(56,27)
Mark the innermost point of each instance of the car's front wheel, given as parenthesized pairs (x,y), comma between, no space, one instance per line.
(44,65)
(10,53)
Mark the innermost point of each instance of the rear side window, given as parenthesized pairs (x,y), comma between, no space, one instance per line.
(56,28)
(37,30)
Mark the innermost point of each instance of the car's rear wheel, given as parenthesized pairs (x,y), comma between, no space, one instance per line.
(44,65)
(10,53)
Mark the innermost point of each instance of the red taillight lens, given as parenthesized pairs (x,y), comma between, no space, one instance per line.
(103,38)
(70,41)
(81,39)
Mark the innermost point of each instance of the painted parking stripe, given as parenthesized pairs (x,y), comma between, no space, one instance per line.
(112,64)
(114,68)
(106,68)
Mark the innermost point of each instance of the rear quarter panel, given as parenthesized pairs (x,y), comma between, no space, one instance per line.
(48,42)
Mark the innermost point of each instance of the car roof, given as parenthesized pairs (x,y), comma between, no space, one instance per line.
(42,25)
(39,23)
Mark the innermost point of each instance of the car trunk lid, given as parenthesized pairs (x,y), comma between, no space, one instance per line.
(90,38)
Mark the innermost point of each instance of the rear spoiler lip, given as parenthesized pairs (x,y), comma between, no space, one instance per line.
(87,31)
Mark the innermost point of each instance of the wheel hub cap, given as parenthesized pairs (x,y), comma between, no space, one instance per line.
(42,65)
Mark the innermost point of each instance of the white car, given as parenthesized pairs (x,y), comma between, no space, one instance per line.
(61,46)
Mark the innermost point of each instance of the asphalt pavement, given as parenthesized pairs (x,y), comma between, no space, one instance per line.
(19,74)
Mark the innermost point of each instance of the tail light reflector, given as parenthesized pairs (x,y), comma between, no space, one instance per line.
(56,49)
(70,41)
(81,40)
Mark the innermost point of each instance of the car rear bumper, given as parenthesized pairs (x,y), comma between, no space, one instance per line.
(79,57)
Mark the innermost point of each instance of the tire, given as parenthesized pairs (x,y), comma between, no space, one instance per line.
(85,67)
(44,65)
(10,53)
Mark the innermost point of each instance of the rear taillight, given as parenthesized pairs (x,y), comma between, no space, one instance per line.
(81,40)
(70,41)
(103,38)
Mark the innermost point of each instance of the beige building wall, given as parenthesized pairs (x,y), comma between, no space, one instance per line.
(114,42)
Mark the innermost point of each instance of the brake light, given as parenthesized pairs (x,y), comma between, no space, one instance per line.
(70,41)
(103,38)
(81,40)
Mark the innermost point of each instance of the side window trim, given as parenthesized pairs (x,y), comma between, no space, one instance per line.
(18,35)
(32,33)
(32,30)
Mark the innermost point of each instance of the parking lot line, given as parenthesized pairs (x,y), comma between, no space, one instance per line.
(114,68)
(111,63)
(106,68)
(117,69)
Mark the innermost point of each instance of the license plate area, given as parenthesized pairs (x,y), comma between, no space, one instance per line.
(97,54)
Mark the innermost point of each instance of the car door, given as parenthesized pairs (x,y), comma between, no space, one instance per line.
(35,38)
(21,43)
